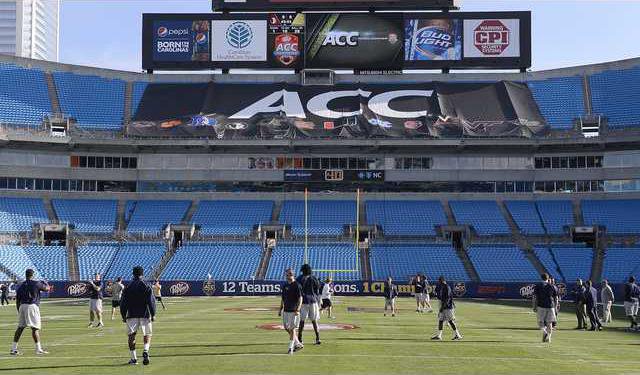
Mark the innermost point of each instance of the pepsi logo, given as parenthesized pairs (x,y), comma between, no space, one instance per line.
(163,31)
(201,38)
(77,289)
(179,289)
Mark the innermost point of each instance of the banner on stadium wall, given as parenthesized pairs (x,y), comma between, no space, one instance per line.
(290,111)
(217,288)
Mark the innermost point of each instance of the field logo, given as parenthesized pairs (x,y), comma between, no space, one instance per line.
(209,287)
(459,289)
(239,35)
(77,289)
(492,37)
(527,291)
(287,48)
(179,289)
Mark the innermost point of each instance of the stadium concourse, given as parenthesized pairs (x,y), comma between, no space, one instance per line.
(99,173)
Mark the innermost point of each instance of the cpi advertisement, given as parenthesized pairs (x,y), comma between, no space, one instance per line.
(357,41)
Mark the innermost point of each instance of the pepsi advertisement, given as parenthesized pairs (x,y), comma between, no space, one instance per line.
(182,41)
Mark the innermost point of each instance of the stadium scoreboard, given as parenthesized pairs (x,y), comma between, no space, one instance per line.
(359,41)
(330,5)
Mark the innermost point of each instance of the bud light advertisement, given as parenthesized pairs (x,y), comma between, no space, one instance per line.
(433,40)
(182,41)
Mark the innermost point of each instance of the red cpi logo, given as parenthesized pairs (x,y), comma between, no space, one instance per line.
(492,37)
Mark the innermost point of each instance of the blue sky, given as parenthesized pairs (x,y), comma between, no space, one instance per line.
(107,33)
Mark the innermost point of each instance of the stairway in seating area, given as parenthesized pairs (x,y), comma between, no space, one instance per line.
(72,261)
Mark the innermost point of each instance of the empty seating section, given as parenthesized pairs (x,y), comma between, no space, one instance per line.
(19,214)
(619,216)
(406,218)
(324,217)
(484,216)
(573,261)
(335,257)
(401,261)
(543,253)
(51,261)
(24,97)
(615,93)
(501,263)
(555,215)
(231,217)
(620,263)
(223,261)
(96,102)
(525,214)
(95,257)
(88,215)
(561,100)
(151,216)
(16,260)
(136,96)
(129,255)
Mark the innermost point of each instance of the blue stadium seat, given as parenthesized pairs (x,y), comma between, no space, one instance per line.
(324,217)
(569,262)
(97,103)
(19,214)
(561,100)
(24,96)
(402,261)
(95,257)
(325,256)
(137,94)
(484,216)
(502,263)
(129,255)
(620,263)
(15,259)
(88,215)
(151,216)
(526,216)
(615,93)
(406,218)
(556,215)
(223,261)
(619,216)
(51,261)
(231,217)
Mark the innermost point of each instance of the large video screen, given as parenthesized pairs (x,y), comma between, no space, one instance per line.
(297,5)
(358,41)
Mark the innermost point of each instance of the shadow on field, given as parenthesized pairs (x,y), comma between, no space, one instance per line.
(208,354)
(412,340)
(49,367)
(218,345)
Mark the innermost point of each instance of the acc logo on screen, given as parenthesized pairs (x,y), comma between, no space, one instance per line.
(77,289)
(492,37)
(287,48)
(179,289)
(239,35)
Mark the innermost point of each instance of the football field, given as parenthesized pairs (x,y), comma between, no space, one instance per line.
(220,335)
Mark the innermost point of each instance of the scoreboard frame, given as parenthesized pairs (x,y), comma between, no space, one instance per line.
(331,5)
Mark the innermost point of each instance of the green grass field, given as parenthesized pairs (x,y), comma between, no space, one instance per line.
(197,335)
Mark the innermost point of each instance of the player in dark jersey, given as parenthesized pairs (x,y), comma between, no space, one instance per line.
(290,306)
(28,305)
(311,293)
(631,295)
(138,310)
(390,295)
(545,298)
(447,310)
(591,301)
